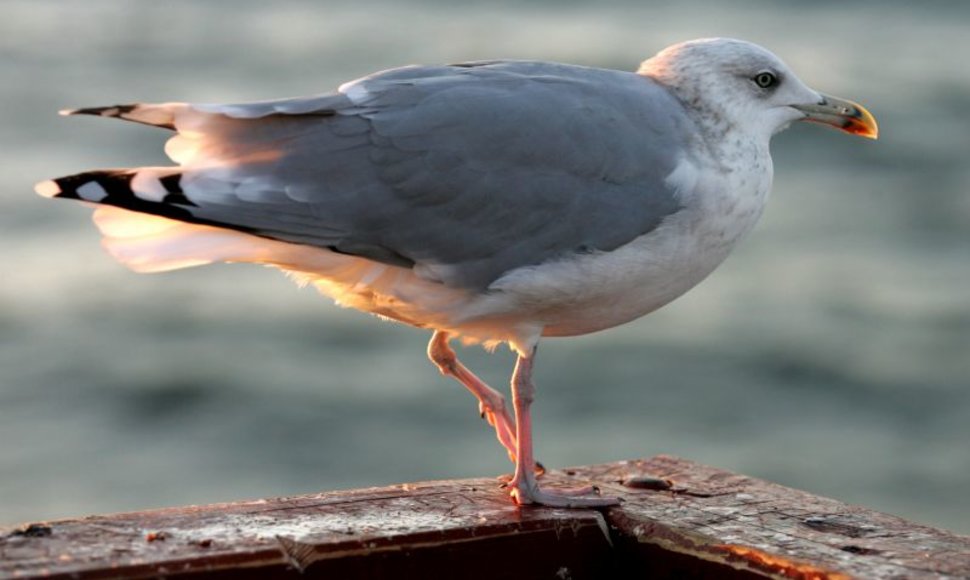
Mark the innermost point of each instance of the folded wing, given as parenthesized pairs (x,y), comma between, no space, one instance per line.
(460,172)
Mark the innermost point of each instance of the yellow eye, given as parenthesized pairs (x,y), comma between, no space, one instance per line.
(765,80)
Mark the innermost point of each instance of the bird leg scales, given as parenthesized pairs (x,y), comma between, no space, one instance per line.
(525,488)
(491,403)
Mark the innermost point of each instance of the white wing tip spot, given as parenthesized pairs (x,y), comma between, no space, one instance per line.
(146,185)
(47,188)
(66,112)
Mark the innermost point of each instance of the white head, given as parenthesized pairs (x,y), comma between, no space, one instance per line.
(737,85)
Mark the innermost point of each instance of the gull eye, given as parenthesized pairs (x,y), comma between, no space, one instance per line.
(765,80)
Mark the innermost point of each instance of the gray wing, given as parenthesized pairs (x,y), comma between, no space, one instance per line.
(468,171)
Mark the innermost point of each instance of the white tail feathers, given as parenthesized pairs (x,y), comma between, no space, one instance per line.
(149,243)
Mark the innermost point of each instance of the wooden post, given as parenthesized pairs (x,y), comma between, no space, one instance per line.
(708,524)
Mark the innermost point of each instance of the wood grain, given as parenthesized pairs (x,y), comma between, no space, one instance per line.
(709,524)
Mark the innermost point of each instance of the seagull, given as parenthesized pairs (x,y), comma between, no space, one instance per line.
(492,201)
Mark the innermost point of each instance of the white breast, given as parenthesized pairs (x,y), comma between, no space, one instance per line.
(596,291)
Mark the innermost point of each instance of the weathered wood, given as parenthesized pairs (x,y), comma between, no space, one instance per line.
(752,524)
(710,524)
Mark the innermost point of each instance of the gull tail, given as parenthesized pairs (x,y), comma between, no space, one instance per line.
(150,243)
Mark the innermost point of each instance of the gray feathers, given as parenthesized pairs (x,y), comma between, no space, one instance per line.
(472,170)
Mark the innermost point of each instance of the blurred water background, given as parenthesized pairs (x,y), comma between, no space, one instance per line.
(830,353)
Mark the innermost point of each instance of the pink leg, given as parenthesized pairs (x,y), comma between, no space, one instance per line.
(525,488)
(491,403)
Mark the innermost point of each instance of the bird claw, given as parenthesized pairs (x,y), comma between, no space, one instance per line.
(524,494)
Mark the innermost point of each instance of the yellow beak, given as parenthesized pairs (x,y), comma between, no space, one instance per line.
(842,114)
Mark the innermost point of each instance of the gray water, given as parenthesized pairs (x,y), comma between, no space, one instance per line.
(830,353)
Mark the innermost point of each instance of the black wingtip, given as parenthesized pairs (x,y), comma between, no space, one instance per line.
(109,111)
(114,187)
(131,112)
(93,186)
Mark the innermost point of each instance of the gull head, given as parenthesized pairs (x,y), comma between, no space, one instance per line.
(736,86)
